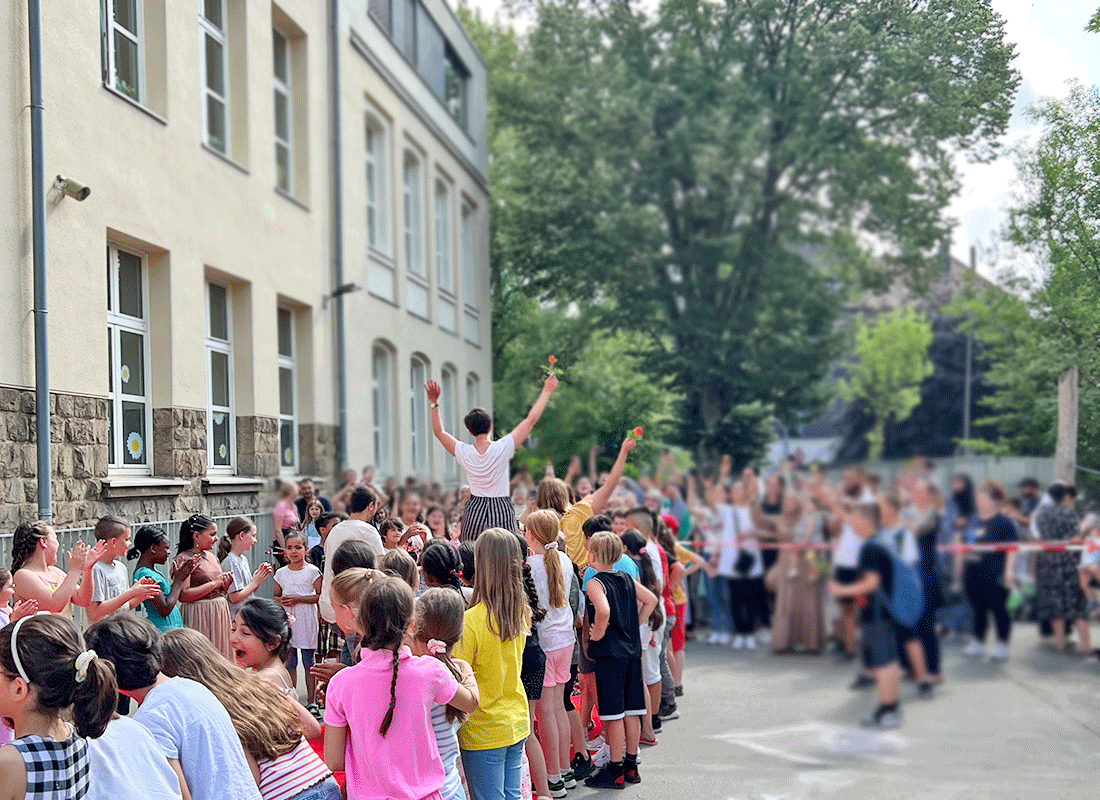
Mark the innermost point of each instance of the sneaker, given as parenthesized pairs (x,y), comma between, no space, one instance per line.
(974,649)
(764,636)
(581,767)
(656,724)
(679,691)
(924,690)
(713,638)
(724,639)
(592,745)
(738,642)
(569,779)
(884,719)
(750,642)
(1000,652)
(557,789)
(862,681)
(668,712)
(630,774)
(607,778)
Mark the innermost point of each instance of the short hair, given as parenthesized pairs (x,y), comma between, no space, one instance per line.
(645,516)
(1030,483)
(361,499)
(478,421)
(110,527)
(593,525)
(994,489)
(130,643)
(606,547)
(324,519)
(352,553)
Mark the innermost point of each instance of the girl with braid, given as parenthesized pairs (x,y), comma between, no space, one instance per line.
(36,575)
(389,750)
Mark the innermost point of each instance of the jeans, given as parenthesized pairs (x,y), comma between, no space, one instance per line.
(308,659)
(668,686)
(718,594)
(494,774)
(327,789)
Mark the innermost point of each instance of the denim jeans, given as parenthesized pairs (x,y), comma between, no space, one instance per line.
(327,789)
(718,594)
(668,687)
(494,774)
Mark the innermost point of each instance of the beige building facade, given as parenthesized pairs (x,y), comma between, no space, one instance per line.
(194,351)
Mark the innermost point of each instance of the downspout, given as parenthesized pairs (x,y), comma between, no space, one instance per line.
(338,238)
(38,224)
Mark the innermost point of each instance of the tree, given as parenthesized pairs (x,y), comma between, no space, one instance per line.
(1051,323)
(708,174)
(891,363)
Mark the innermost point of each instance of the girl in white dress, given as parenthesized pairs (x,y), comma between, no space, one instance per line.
(298,588)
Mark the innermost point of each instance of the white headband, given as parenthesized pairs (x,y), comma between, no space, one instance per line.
(15,649)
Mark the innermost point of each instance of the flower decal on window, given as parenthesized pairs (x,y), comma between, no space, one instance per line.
(125,373)
(219,419)
(222,451)
(288,456)
(134,445)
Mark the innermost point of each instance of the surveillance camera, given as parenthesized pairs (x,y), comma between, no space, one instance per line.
(74,189)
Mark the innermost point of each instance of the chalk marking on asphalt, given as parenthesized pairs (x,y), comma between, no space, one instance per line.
(840,743)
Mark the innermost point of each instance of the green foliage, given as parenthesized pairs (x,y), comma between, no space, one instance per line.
(701,175)
(1094,23)
(891,363)
(1053,323)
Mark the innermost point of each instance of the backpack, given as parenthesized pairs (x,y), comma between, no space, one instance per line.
(906,603)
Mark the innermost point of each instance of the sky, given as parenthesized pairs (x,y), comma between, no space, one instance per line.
(1052,48)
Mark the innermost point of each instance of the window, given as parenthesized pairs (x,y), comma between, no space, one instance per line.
(382,373)
(414,238)
(447,399)
(382,11)
(418,376)
(380,269)
(408,41)
(444,259)
(129,418)
(284,104)
(125,48)
(219,395)
(212,28)
(288,406)
(473,395)
(472,318)
(455,78)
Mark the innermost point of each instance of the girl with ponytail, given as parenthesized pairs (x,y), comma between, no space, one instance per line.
(389,750)
(205,608)
(49,675)
(442,566)
(233,549)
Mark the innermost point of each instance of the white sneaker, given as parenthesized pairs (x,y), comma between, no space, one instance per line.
(713,638)
(974,649)
(1000,652)
(764,636)
(724,639)
(750,643)
(739,643)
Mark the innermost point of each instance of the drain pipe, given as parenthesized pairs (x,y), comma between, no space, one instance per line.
(338,238)
(38,217)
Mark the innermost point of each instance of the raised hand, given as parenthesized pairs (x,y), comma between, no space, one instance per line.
(227,580)
(25,608)
(186,567)
(551,384)
(263,572)
(434,390)
(629,444)
(78,556)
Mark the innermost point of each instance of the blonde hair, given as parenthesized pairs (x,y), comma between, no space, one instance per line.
(543,526)
(264,720)
(606,547)
(440,615)
(498,583)
(351,584)
(401,565)
(553,494)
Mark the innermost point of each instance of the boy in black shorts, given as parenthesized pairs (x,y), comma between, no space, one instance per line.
(878,630)
(615,604)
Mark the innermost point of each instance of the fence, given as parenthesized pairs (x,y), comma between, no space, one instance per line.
(68,537)
(1009,470)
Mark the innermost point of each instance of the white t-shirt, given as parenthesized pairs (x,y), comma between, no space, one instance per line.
(303,631)
(242,576)
(727,541)
(907,551)
(556,629)
(653,550)
(126,762)
(110,580)
(189,724)
(847,549)
(344,532)
(487,473)
(749,543)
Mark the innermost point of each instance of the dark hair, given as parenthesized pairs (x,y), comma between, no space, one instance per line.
(48,648)
(441,562)
(352,553)
(300,535)
(325,519)
(145,537)
(663,534)
(130,643)
(446,525)
(196,523)
(235,528)
(1031,483)
(1057,492)
(593,525)
(268,622)
(466,554)
(25,540)
(478,421)
(538,613)
(390,524)
(645,514)
(361,499)
(5,576)
(110,527)
(384,616)
(634,543)
(400,564)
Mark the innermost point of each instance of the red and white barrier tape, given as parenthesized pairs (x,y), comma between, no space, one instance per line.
(1007,547)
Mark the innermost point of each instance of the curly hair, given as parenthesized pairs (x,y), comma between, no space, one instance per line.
(25,540)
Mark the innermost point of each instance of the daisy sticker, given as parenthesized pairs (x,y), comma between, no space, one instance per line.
(221,452)
(288,456)
(219,419)
(125,373)
(134,445)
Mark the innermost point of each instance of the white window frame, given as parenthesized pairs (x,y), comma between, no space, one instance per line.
(448,382)
(471,313)
(375,175)
(284,88)
(208,28)
(225,347)
(416,268)
(288,362)
(383,409)
(138,38)
(116,323)
(444,257)
(418,429)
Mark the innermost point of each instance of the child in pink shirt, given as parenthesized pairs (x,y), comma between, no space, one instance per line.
(388,750)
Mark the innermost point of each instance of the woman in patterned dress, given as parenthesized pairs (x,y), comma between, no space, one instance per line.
(1058,594)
